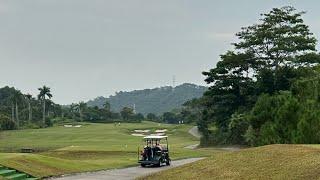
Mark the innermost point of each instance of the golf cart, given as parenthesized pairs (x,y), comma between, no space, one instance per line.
(154,153)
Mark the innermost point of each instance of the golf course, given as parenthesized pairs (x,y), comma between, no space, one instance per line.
(159,90)
(90,147)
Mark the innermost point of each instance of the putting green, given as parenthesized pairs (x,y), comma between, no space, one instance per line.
(91,147)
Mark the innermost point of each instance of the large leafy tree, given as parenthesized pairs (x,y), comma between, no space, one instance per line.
(264,60)
(127,113)
(232,88)
(281,36)
(152,117)
(170,117)
(43,93)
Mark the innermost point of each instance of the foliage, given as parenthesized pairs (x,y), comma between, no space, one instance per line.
(259,91)
(127,113)
(170,118)
(250,136)
(152,117)
(23,109)
(239,123)
(6,123)
(48,122)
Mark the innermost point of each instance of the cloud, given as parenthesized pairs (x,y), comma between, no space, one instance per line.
(4,8)
(221,36)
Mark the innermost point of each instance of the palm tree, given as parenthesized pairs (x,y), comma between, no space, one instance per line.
(44,92)
(49,105)
(12,112)
(29,98)
(16,97)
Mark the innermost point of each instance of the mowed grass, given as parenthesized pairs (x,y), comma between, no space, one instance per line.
(267,162)
(92,147)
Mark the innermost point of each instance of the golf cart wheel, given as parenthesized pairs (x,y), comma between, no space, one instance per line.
(168,163)
(143,165)
(159,163)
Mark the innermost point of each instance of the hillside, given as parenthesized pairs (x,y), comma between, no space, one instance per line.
(267,162)
(157,100)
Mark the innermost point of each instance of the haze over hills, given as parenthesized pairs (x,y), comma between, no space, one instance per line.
(157,100)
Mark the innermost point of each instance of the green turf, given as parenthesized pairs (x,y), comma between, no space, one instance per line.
(89,148)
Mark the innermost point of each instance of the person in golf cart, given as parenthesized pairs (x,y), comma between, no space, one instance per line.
(153,152)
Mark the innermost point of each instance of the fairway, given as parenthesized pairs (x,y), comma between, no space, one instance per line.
(92,147)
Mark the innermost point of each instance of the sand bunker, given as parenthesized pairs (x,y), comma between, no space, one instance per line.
(70,126)
(158,134)
(161,130)
(141,131)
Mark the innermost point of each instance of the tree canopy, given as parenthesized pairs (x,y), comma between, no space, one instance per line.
(251,92)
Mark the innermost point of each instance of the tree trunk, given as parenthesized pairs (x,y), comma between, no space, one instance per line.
(30,112)
(17,115)
(12,112)
(44,111)
(80,113)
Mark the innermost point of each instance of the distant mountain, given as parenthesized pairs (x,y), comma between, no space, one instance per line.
(157,100)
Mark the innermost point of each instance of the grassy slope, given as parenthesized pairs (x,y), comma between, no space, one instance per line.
(267,162)
(91,147)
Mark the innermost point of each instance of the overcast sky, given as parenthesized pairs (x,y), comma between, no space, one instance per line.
(87,48)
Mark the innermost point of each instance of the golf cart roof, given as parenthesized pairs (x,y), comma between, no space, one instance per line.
(155,137)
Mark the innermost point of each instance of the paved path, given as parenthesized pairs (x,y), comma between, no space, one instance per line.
(126,173)
(193,146)
(194,131)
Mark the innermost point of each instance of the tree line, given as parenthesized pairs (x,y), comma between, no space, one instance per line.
(20,111)
(266,89)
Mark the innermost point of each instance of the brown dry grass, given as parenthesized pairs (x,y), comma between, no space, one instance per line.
(267,162)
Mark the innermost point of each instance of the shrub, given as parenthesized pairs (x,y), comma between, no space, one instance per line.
(6,123)
(237,128)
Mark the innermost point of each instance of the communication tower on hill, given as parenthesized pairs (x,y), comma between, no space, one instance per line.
(134,108)
(173,82)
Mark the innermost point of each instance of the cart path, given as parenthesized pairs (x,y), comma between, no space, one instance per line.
(126,173)
(194,131)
